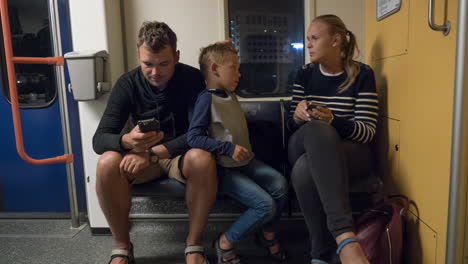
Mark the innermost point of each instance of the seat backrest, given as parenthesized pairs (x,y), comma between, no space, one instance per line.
(264,122)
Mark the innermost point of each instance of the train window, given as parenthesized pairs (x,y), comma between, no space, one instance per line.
(31,37)
(269,36)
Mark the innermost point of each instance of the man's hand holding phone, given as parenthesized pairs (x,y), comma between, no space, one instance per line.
(138,140)
(148,125)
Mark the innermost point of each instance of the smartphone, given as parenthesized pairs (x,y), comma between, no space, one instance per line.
(148,125)
(313,105)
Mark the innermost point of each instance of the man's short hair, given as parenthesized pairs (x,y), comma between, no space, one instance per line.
(214,53)
(156,35)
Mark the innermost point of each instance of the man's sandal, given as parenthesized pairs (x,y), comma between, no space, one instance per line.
(123,253)
(196,250)
(280,256)
(223,254)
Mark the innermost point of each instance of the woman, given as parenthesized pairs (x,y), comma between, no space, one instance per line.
(334,112)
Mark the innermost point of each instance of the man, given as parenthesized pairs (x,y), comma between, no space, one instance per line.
(164,89)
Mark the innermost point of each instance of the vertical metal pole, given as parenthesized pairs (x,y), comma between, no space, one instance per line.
(459,169)
(55,29)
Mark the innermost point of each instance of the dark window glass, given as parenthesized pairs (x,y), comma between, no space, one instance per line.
(31,37)
(269,36)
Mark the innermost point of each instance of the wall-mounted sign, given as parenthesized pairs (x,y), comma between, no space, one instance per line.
(384,8)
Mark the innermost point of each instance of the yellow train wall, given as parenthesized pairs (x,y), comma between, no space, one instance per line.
(415,69)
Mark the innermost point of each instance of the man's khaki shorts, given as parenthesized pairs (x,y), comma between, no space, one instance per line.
(169,167)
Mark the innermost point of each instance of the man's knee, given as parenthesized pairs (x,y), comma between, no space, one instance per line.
(198,158)
(107,164)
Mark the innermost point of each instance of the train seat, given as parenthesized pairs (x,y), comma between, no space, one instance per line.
(266,121)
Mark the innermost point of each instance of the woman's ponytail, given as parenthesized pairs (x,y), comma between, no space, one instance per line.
(349,46)
(351,67)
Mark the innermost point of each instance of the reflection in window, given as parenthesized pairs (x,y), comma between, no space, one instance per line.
(269,36)
(30,32)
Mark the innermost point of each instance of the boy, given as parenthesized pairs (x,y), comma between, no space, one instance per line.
(219,126)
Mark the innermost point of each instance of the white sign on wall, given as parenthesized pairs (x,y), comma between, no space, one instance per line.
(384,8)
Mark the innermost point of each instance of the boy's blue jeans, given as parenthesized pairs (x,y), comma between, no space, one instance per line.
(259,187)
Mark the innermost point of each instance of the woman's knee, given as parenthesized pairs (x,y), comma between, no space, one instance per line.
(320,130)
(295,148)
(300,172)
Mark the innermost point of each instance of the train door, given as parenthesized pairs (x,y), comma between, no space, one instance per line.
(38,29)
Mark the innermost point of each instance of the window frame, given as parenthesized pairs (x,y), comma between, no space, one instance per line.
(4,73)
(310,7)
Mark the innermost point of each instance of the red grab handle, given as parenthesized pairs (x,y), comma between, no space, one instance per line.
(10,63)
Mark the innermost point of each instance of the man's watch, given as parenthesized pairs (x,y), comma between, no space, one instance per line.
(153,157)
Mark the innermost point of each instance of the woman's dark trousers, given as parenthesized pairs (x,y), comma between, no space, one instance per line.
(323,164)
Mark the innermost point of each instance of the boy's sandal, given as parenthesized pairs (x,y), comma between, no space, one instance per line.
(318,261)
(223,254)
(280,256)
(123,253)
(345,242)
(196,250)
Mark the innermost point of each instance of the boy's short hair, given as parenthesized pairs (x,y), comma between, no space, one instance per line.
(156,35)
(214,53)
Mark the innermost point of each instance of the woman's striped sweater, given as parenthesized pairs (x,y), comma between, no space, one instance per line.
(355,111)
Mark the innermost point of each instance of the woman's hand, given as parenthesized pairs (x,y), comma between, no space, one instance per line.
(301,114)
(322,113)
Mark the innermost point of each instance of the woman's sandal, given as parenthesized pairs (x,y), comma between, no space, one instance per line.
(318,261)
(345,242)
(280,256)
(225,254)
(123,253)
(196,250)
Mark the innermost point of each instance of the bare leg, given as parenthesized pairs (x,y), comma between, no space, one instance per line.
(199,167)
(352,252)
(114,196)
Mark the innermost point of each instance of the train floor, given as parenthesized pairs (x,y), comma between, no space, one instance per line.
(155,241)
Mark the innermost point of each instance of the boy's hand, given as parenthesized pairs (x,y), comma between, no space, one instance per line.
(240,153)
(139,141)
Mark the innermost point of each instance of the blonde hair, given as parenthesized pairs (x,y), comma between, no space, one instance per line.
(216,53)
(336,26)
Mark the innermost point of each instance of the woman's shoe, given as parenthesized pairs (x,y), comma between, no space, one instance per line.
(347,241)
(223,254)
(280,256)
